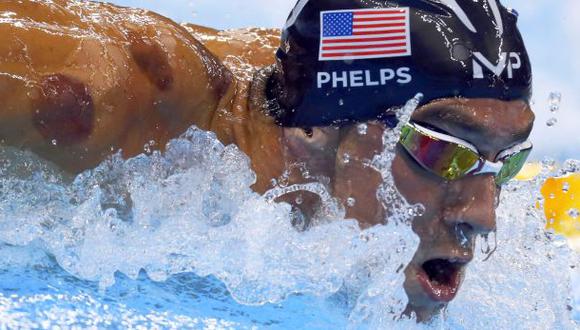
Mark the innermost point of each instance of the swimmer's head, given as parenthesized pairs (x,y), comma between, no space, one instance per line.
(352,60)
(347,62)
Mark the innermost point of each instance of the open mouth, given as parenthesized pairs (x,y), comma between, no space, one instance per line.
(441,278)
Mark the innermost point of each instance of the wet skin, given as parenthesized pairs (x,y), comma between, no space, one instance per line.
(122,85)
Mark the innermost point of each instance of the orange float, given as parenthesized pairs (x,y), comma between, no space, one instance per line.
(562,205)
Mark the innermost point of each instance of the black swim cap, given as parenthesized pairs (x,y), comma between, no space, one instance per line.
(351,60)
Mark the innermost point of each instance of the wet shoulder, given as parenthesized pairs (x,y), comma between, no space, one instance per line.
(241,50)
(82,79)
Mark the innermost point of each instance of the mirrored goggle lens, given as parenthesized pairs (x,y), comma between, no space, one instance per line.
(445,159)
(512,165)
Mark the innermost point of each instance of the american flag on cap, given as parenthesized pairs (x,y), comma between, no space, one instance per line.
(364,33)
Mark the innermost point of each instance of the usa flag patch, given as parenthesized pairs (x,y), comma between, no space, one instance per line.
(364,33)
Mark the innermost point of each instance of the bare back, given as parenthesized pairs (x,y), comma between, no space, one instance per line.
(80,80)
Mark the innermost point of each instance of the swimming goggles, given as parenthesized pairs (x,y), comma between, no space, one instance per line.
(451,158)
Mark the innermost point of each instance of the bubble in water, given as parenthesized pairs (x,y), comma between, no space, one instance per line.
(341,102)
(54,142)
(362,129)
(574,213)
(554,101)
(551,122)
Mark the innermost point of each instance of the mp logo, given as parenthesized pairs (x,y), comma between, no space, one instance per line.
(510,61)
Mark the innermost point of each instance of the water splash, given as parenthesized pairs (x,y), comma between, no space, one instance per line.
(393,201)
(529,272)
(383,302)
(191,209)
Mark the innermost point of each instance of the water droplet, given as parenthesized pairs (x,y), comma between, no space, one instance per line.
(574,213)
(147,148)
(54,142)
(489,246)
(362,129)
(566,187)
(554,101)
(367,162)
(571,166)
(346,158)
(548,163)
(284,179)
(273,182)
(299,220)
(462,238)
(485,248)
(341,102)
(552,196)
(299,200)
(416,210)
(351,202)
(551,122)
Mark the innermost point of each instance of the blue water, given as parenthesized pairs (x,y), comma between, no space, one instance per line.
(45,296)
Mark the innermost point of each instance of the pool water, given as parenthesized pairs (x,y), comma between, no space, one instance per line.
(45,296)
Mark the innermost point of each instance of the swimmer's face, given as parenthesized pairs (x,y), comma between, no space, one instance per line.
(436,271)
(467,205)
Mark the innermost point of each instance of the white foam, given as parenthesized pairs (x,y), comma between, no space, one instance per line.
(192,210)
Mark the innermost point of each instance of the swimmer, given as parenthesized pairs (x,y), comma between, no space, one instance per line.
(80,81)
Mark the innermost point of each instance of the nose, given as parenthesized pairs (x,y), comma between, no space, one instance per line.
(470,203)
